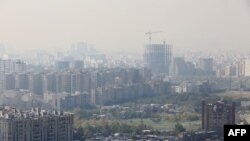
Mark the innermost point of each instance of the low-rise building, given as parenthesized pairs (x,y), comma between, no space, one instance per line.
(66,100)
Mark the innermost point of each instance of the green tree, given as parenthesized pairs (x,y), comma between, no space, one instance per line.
(179,128)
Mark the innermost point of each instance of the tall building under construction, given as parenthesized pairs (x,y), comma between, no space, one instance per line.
(158,57)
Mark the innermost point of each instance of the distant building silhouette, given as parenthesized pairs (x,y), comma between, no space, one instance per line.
(182,68)
(206,65)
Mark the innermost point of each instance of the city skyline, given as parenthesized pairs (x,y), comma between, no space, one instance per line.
(76,70)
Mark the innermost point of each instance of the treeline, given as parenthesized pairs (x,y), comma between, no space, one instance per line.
(106,129)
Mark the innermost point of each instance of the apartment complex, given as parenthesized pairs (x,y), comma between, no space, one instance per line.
(73,81)
(35,125)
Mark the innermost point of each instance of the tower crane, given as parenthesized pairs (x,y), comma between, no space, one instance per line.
(150,35)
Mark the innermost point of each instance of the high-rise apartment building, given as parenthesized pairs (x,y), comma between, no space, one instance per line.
(78,65)
(158,57)
(36,83)
(206,65)
(35,125)
(19,66)
(9,66)
(9,81)
(247,67)
(66,82)
(6,66)
(49,82)
(2,49)
(62,65)
(215,116)
(22,81)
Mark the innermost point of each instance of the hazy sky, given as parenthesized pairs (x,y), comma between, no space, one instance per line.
(120,25)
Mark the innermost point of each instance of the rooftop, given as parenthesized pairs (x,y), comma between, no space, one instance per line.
(13,113)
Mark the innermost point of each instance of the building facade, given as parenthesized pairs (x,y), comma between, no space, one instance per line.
(35,125)
(215,116)
(206,65)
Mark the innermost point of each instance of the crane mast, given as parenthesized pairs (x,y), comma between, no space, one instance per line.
(150,35)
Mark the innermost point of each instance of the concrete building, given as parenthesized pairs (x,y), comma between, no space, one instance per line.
(66,82)
(145,74)
(240,68)
(50,82)
(5,67)
(76,100)
(79,49)
(22,81)
(9,66)
(80,82)
(234,70)
(183,88)
(62,65)
(215,116)
(121,93)
(132,76)
(247,67)
(158,57)
(9,81)
(54,99)
(67,100)
(73,81)
(76,82)
(36,83)
(206,65)
(35,125)
(86,77)
(179,67)
(19,66)
(78,65)
(182,67)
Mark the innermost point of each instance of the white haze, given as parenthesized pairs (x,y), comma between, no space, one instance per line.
(119,25)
